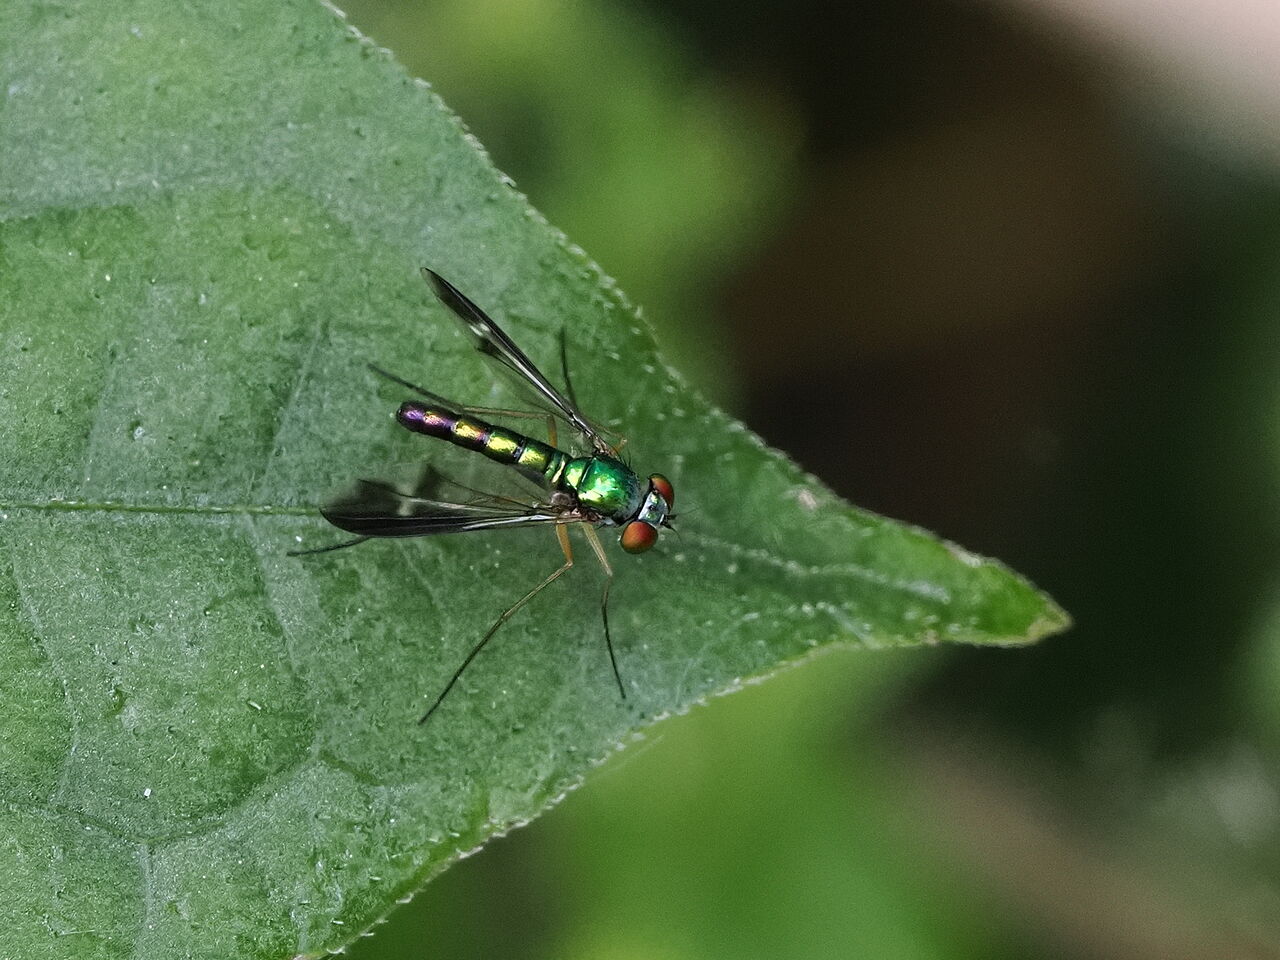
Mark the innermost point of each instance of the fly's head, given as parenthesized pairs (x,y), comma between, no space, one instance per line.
(641,531)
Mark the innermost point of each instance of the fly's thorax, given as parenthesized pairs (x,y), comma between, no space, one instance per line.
(605,486)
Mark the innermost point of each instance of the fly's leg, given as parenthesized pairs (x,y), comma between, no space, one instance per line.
(564,368)
(421,391)
(355,541)
(598,548)
(506,615)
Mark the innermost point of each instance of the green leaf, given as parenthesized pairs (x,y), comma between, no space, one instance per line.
(208,748)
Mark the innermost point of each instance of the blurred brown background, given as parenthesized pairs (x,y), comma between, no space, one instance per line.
(1007,271)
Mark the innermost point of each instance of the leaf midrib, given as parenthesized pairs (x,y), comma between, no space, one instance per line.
(709,542)
(111,506)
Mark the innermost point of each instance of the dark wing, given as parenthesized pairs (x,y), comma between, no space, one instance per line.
(376,510)
(492,342)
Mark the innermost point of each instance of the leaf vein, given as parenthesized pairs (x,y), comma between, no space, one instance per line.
(921,588)
(38,632)
(283,415)
(116,506)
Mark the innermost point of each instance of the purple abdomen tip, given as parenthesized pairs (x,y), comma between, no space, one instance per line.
(420,419)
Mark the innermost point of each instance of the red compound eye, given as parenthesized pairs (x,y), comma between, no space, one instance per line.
(638,536)
(663,486)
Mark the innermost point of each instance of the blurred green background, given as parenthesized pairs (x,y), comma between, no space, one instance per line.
(1014,277)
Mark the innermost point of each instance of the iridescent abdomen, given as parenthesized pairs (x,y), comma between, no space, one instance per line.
(603,485)
(538,461)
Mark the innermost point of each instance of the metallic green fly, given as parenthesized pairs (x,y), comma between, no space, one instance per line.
(595,489)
